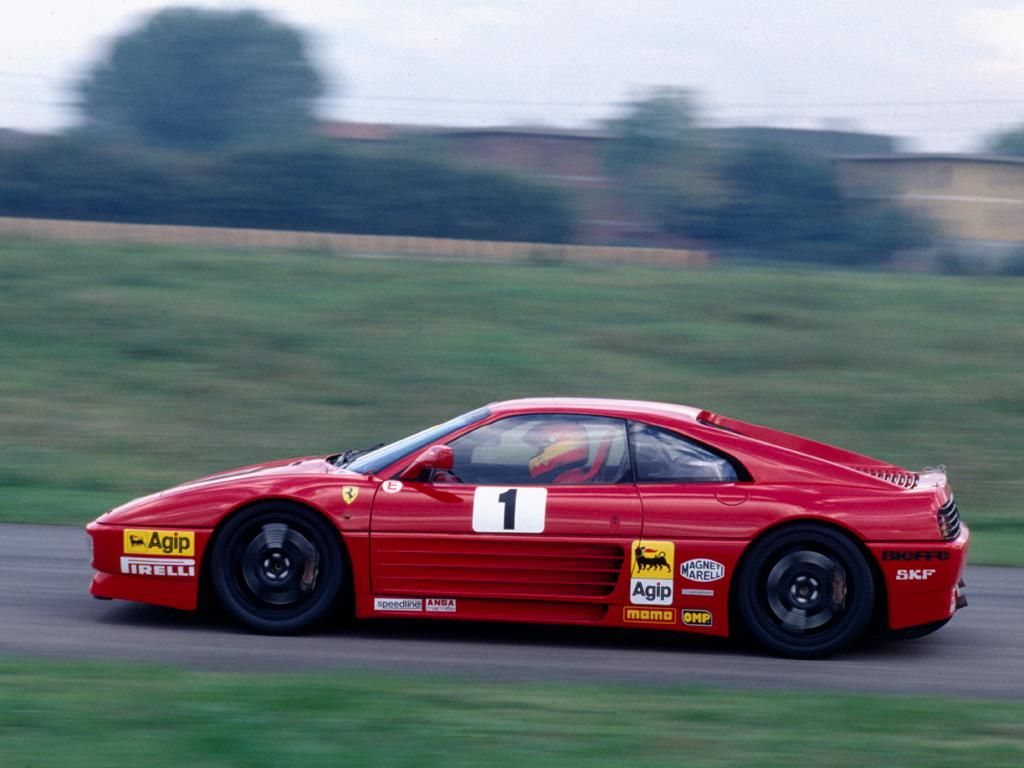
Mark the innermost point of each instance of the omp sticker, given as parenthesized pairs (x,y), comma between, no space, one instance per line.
(702,569)
(651,569)
(391,486)
(158,566)
(509,510)
(150,542)
(635,615)
(652,559)
(399,604)
(696,618)
(441,605)
(349,493)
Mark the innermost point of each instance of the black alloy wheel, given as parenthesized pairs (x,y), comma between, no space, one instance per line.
(806,591)
(277,567)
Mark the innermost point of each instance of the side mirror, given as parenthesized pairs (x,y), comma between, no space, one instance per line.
(434,457)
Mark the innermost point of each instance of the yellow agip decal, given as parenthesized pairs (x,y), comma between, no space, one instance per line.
(145,541)
(652,560)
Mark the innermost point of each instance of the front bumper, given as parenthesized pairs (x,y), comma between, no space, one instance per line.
(145,565)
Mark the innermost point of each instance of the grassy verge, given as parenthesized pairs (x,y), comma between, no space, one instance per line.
(124,370)
(79,716)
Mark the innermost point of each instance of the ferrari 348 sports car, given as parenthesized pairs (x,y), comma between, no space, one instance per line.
(559,510)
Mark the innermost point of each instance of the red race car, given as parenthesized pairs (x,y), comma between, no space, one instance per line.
(560,510)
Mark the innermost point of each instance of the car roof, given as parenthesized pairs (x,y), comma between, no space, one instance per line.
(596,405)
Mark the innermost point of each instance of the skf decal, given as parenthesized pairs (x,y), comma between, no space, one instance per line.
(651,569)
(702,569)
(914,574)
(398,604)
(649,615)
(696,618)
(440,605)
(148,542)
(158,566)
(349,493)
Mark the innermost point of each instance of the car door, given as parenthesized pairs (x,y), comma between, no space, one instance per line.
(534,520)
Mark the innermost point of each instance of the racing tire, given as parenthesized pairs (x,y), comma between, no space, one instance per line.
(278,567)
(805,591)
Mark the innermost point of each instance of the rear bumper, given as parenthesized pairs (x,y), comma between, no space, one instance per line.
(923,580)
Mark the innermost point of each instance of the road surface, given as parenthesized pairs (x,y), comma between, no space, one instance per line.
(46,612)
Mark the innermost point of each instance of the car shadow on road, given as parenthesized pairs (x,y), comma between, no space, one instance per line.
(458,633)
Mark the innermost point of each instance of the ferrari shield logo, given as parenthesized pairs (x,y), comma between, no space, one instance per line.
(349,493)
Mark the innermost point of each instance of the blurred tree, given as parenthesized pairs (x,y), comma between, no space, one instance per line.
(197,79)
(661,160)
(1009,142)
(779,197)
(788,204)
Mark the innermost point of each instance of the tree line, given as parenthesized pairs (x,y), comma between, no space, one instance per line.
(207,117)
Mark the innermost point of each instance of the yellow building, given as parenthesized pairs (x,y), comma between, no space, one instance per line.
(969,197)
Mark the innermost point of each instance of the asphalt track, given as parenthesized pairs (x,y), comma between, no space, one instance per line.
(45,612)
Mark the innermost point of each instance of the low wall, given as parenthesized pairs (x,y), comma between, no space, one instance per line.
(356,245)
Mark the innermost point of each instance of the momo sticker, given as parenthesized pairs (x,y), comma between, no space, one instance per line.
(149,542)
(509,510)
(651,569)
(634,615)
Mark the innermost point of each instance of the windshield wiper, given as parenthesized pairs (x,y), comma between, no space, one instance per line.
(345,457)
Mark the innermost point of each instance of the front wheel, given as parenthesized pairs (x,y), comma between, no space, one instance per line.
(806,591)
(277,567)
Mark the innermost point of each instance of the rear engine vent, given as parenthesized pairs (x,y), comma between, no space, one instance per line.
(898,477)
(949,520)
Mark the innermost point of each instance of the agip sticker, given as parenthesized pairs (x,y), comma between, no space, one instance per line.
(651,569)
(159,543)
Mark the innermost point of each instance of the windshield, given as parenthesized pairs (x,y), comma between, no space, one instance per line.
(376,460)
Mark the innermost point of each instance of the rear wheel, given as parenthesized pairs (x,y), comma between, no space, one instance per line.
(806,591)
(277,567)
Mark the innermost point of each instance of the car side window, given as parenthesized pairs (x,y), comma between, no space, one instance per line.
(666,457)
(542,449)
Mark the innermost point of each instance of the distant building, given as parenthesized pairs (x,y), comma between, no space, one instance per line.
(574,160)
(972,198)
(825,142)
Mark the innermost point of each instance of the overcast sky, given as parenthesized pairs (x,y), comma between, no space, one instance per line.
(943,74)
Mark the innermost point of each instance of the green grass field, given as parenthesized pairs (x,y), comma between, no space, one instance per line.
(127,369)
(78,716)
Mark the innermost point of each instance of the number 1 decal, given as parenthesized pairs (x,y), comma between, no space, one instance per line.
(508,498)
(509,510)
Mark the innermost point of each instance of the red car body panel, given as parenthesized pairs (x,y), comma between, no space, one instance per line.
(413,551)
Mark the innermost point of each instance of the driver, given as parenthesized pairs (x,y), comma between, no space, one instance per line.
(559,446)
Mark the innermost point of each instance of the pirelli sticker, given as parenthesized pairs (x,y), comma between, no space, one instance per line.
(144,541)
(634,614)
